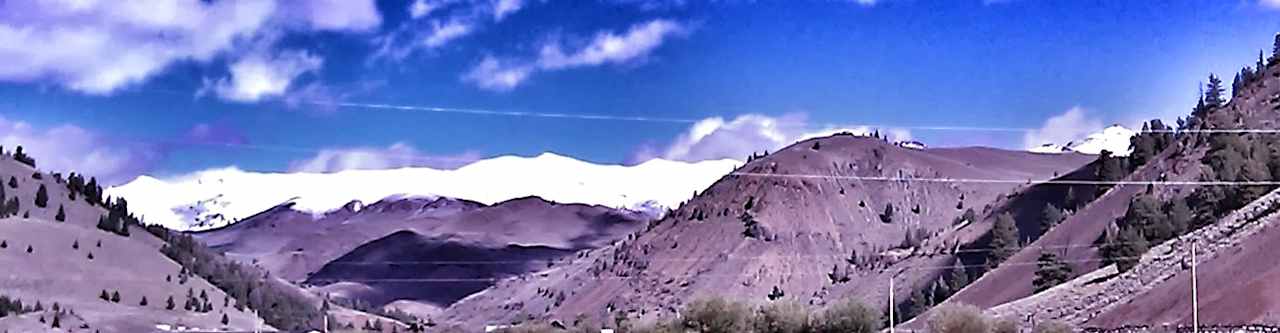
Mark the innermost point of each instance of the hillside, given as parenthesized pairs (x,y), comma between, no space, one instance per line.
(72,263)
(807,224)
(1211,184)
(346,253)
(215,198)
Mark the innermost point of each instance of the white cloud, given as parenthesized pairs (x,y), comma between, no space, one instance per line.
(422,8)
(98,47)
(1072,125)
(341,15)
(504,8)
(258,75)
(70,148)
(605,48)
(442,33)
(493,74)
(397,155)
(608,47)
(1274,4)
(715,138)
(866,3)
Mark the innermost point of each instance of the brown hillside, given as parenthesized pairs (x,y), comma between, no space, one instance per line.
(817,234)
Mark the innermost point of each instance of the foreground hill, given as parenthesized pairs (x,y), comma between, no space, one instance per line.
(1211,182)
(822,220)
(215,198)
(65,259)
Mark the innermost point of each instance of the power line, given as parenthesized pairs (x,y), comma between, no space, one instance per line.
(1011,181)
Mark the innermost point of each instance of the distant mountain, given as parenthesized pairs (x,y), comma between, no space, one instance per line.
(1114,139)
(214,198)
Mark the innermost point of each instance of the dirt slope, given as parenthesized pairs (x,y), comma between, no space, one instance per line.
(816,234)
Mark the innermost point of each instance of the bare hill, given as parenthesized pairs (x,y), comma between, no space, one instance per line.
(807,224)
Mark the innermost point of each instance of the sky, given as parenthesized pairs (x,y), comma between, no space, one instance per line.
(119,89)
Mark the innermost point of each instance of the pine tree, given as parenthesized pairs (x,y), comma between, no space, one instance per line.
(42,197)
(1179,215)
(225,320)
(105,296)
(143,302)
(1050,271)
(957,277)
(57,321)
(169,303)
(887,216)
(1275,49)
(1050,217)
(115,296)
(1125,248)
(1213,95)
(61,216)
(1004,240)
(13,182)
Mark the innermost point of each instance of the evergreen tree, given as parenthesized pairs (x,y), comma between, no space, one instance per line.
(1004,240)
(143,302)
(13,182)
(105,296)
(169,303)
(957,277)
(1180,216)
(57,320)
(42,197)
(115,296)
(1124,249)
(225,320)
(1213,95)
(1237,84)
(1275,49)
(887,216)
(61,216)
(1050,217)
(1110,169)
(1050,271)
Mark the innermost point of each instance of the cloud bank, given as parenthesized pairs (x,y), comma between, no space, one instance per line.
(1072,125)
(99,47)
(718,138)
(398,155)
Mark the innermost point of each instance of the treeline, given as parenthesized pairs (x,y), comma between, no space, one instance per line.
(721,316)
(14,306)
(251,288)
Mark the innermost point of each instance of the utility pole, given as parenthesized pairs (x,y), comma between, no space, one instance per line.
(257,328)
(891,322)
(1195,301)
(326,323)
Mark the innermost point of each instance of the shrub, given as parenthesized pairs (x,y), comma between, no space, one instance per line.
(1004,325)
(783,317)
(849,317)
(958,319)
(715,315)
(1052,326)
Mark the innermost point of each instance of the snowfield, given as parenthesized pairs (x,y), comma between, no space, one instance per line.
(1114,139)
(218,197)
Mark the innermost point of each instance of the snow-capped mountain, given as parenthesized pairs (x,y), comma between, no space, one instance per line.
(1114,139)
(214,198)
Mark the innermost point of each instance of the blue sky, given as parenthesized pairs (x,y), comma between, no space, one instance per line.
(177,86)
